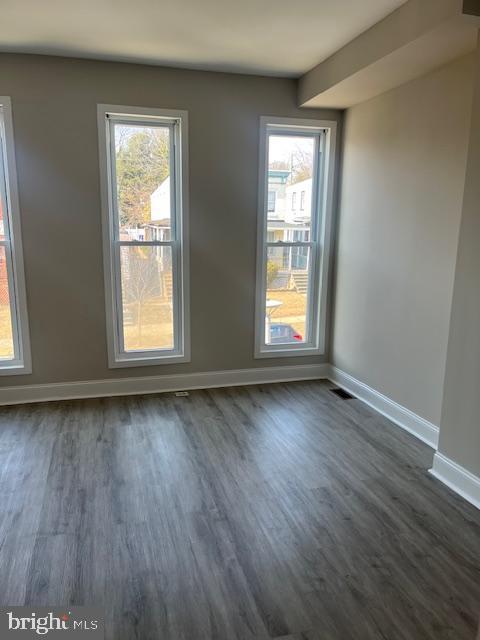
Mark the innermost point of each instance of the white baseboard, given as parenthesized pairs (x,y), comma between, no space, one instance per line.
(403,417)
(457,478)
(159,384)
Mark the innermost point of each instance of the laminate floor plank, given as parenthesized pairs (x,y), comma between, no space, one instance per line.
(250,513)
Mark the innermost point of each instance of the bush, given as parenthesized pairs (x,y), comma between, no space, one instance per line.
(272,271)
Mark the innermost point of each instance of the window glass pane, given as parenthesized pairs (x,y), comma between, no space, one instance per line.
(6,331)
(290,174)
(286,304)
(142,167)
(146,278)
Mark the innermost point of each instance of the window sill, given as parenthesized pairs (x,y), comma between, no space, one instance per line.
(147,361)
(295,352)
(16,369)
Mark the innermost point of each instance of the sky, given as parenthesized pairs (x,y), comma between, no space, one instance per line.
(281,148)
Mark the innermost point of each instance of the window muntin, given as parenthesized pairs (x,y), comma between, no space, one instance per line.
(14,338)
(146,237)
(293,245)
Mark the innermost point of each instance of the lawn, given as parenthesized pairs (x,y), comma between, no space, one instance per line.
(292,311)
(148,325)
(293,303)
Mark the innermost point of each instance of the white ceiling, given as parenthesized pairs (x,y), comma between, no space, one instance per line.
(276,37)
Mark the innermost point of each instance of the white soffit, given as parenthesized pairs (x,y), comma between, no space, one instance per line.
(417,38)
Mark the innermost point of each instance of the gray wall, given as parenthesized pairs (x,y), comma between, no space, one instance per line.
(401,199)
(460,426)
(54,110)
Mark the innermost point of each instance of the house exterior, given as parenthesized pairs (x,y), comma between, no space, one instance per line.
(159,227)
(299,202)
(289,215)
(277,194)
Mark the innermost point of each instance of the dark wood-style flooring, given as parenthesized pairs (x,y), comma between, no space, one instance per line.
(274,511)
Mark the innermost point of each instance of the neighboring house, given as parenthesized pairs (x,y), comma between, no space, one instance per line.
(299,201)
(159,226)
(277,193)
(160,214)
(289,215)
(132,233)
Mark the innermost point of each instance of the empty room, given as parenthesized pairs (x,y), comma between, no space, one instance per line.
(240,320)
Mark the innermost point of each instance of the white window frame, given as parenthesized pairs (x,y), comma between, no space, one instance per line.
(21,363)
(320,240)
(178,121)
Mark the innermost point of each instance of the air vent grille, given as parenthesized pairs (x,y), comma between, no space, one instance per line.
(341,393)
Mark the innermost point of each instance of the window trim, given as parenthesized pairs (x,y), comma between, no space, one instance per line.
(178,120)
(22,361)
(323,200)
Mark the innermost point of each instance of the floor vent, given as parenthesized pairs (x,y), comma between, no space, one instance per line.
(341,393)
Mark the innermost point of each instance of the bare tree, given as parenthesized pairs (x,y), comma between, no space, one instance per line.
(301,164)
(140,280)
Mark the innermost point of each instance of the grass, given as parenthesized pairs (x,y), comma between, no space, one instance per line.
(151,326)
(293,309)
(293,303)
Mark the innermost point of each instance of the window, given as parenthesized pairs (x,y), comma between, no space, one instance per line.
(292,265)
(302,201)
(271,201)
(294,200)
(143,169)
(14,335)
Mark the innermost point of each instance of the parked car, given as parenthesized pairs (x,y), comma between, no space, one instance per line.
(281,333)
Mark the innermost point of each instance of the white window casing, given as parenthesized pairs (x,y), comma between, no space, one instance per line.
(317,247)
(177,123)
(19,361)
